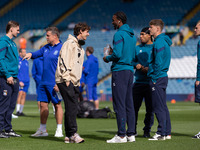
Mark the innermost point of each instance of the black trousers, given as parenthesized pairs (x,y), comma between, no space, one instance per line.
(8,99)
(143,91)
(70,96)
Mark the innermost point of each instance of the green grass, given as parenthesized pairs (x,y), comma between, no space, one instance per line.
(185,119)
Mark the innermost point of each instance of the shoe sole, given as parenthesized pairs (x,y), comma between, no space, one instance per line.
(39,135)
(58,136)
(115,142)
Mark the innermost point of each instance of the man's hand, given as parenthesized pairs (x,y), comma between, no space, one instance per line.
(197,83)
(111,51)
(104,59)
(138,66)
(67,83)
(56,88)
(145,69)
(82,84)
(10,80)
(28,56)
(21,84)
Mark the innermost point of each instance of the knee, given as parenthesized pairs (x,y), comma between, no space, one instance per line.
(43,106)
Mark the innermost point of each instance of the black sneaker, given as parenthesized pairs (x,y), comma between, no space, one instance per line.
(197,136)
(22,114)
(146,135)
(2,135)
(12,133)
(18,113)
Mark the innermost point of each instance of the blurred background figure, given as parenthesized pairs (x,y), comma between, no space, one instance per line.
(91,70)
(37,71)
(24,80)
(22,43)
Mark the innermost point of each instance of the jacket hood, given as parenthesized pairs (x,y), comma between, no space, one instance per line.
(127,29)
(166,38)
(5,38)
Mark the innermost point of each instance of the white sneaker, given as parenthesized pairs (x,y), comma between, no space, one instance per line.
(76,138)
(66,139)
(157,137)
(58,133)
(39,133)
(130,138)
(117,139)
(168,137)
(14,116)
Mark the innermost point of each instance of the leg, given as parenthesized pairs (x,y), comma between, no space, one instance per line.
(130,112)
(44,112)
(58,113)
(70,97)
(119,88)
(94,95)
(15,90)
(159,104)
(137,100)
(22,102)
(149,116)
(5,100)
(19,100)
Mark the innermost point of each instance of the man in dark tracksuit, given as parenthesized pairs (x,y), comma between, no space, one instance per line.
(122,59)
(9,84)
(197,85)
(141,88)
(158,67)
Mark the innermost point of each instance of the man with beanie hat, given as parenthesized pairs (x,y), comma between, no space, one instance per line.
(141,88)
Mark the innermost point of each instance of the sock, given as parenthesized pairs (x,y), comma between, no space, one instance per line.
(59,126)
(18,107)
(21,108)
(53,108)
(43,127)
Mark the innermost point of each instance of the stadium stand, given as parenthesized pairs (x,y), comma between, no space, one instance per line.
(37,14)
(3,2)
(97,13)
(33,14)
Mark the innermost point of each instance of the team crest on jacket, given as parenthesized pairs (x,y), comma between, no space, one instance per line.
(56,52)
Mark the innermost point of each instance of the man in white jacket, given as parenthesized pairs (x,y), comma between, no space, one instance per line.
(68,74)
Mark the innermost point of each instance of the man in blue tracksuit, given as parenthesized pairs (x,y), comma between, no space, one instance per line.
(141,88)
(9,83)
(122,58)
(158,67)
(90,71)
(197,85)
(37,70)
(48,89)
(24,79)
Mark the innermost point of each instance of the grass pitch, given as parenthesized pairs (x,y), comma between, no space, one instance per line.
(185,119)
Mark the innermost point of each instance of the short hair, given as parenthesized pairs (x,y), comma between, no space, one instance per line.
(11,24)
(20,50)
(157,22)
(121,16)
(54,31)
(146,30)
(80,27)
(90,49)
